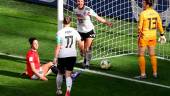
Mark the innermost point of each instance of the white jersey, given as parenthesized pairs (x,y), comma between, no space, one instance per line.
(84,23)
(67,38)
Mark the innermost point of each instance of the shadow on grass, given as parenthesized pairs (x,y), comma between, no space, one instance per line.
(30,19)
(7,57)
(13,74)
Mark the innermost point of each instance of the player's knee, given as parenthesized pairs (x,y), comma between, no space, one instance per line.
(49,64)
(68,73)
(152,54)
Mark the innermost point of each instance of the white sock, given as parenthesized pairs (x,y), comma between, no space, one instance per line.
(88,56)
(69,83)
(59,81)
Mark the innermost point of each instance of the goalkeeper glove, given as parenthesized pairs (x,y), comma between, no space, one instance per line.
(162,39)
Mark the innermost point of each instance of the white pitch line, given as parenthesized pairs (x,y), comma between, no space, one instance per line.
(124,78)
(105,74)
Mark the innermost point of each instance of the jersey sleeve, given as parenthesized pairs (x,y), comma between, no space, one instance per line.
(30,58)
(159,24)
(92,13)
(140,22)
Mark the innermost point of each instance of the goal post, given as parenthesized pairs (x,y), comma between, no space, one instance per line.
(60,12)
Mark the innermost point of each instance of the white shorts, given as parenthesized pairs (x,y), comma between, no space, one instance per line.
(35,77)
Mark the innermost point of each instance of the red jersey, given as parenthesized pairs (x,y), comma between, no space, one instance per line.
(32,57)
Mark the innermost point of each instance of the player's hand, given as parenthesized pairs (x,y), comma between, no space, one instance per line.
(109,24)
(55,61)
(162,39)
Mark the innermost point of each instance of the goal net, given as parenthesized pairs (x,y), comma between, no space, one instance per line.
(121,38)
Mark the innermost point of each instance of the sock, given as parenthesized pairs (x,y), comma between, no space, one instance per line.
(84,62)
(54,69)
(68,83)
(154,63)
(59,81)
(142,65)
(88,56)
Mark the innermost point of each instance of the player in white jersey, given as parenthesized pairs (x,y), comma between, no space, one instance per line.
(85,28)
(65,54)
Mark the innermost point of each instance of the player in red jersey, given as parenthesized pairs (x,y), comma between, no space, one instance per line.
(34,68)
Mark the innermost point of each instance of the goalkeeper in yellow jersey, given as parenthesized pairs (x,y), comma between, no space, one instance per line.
(149,22)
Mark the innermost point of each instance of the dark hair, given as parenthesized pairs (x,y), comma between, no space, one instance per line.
(149,2)
(31,39)
(67,20)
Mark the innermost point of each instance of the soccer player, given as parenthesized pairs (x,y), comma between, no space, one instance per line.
(33,68)
(149,22)
(65,54)
(86,28)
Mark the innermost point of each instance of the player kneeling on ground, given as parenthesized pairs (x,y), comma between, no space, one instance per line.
(65,54)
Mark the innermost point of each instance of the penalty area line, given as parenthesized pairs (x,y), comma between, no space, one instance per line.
(123,78)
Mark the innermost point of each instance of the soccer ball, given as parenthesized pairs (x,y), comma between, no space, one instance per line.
(105,64)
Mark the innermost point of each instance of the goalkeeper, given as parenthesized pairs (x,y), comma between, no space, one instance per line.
(86,28)
(149,22)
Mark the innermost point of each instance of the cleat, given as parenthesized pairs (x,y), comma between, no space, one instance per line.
(75,75)
(155,76)
(67,93)
(140,77)
(59,92)
(86,67)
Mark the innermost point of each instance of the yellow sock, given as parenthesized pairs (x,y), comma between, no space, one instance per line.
(154,63)
(142,64)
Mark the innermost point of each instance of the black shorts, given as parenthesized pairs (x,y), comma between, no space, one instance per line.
(66,64)
(90,34)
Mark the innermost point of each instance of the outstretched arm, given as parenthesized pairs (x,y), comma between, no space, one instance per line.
(104,21)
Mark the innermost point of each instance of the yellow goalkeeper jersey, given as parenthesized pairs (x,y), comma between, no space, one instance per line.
(149,22)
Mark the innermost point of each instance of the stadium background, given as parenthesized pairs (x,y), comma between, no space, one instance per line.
(123,4)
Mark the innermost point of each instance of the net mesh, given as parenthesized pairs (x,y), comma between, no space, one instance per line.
(121,39)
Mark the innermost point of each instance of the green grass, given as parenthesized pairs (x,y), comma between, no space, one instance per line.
(21,20)
(87,84)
